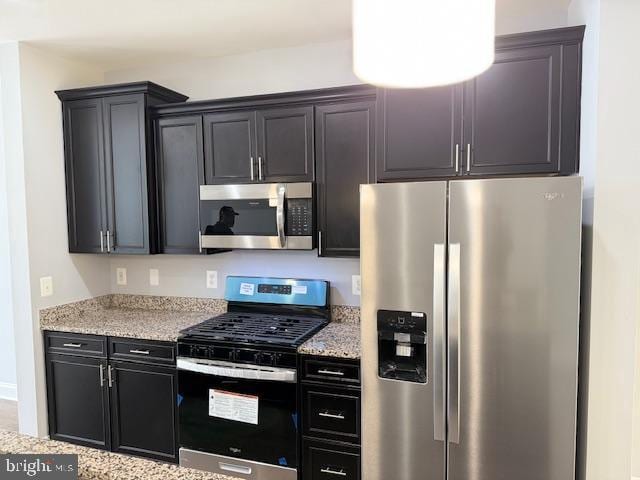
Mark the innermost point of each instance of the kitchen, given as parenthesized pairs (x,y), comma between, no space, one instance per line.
(127,263)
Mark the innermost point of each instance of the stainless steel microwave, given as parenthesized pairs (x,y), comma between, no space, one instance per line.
(257,216)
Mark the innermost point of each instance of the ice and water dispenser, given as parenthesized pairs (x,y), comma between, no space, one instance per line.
(402,346)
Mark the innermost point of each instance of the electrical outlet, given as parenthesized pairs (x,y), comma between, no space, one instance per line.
(355,285)
(212,279)
(154,277)
(121,276)
(46,286)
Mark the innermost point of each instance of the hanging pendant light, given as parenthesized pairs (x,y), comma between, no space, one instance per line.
(422,43)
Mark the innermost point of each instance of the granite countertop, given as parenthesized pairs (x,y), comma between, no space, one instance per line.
(338,340)
(100,465)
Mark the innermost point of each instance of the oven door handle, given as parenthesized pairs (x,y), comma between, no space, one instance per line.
(280,215)
(228,369)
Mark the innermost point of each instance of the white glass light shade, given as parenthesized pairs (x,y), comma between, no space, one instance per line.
(422,43)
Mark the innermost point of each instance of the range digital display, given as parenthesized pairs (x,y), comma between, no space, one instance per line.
(275,289)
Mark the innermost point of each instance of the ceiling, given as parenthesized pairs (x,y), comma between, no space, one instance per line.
(121,33)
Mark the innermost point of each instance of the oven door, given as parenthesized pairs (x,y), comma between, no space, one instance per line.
(256,216)
(237,410)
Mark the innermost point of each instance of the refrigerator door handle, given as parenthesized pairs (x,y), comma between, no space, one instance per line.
(454,343)
(439,358)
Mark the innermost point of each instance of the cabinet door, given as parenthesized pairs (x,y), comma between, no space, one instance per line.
(229,147)
(512,114)
(285,144)
(143,410)
(180,157)
(126,161)
(419,133)
(78,400)
(85,175)
(345,152)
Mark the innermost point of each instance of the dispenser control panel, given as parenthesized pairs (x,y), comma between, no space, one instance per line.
(402,346)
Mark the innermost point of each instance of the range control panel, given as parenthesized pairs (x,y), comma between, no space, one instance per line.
(299,217)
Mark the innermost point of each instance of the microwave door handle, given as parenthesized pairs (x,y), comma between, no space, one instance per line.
(280,215)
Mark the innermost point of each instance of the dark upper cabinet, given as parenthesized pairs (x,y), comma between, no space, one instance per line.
(345,145)
(180,160)
(285,144)
(519,117)
(85,175)
(419,133)
(110,172)
(78,400)
(230,147)
(143,410)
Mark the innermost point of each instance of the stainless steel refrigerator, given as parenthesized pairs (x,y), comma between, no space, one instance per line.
(470,308)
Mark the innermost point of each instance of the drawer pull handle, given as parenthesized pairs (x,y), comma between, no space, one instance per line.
(229,467)
(72,345)
(330,471)
(337,416)
(140,352)
(337,373)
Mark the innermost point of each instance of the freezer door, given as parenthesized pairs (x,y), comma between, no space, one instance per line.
(514,267)
(403,235)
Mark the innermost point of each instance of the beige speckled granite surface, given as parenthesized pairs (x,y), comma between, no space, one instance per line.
(162,318)
(99,465)
(340,340)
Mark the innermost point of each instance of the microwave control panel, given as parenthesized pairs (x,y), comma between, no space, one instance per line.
(299,217)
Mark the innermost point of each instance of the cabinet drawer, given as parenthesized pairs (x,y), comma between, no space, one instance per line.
(142,351)
(323,461)
(331,413)
(343,372)
(74,343)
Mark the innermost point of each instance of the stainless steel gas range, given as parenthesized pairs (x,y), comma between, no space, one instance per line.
(237,378)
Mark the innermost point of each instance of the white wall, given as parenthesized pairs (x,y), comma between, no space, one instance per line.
(37,220)
(615,276)
(8,388)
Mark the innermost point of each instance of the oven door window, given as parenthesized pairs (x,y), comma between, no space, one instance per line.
(271,440)
(238,217)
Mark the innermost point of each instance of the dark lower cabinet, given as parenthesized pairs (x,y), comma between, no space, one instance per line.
(97,400)
(143,410)
(330,407)
(78,400)
(180,160)
(345,146)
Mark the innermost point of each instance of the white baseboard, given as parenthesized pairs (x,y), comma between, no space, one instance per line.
(8,391)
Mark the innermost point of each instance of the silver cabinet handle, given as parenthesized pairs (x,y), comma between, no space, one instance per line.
(337,416)
(200,240)
(439,359)
(454,342)
(280,215)
(251,166)
(109,376)
(338,373)
(330,471)
(140,352)
(457,157)
(72,345)
(468,157)
(102,375)
(101,241)
(260,168)
(108,241)
(319,243)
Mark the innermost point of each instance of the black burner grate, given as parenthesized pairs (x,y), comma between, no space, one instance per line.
(257,328)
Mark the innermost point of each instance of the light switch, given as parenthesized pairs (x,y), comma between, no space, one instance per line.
(355,285)
(212,279)
(154,277)
(46,286)
(121,276)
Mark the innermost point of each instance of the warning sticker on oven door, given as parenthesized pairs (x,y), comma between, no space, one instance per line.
(233,406)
